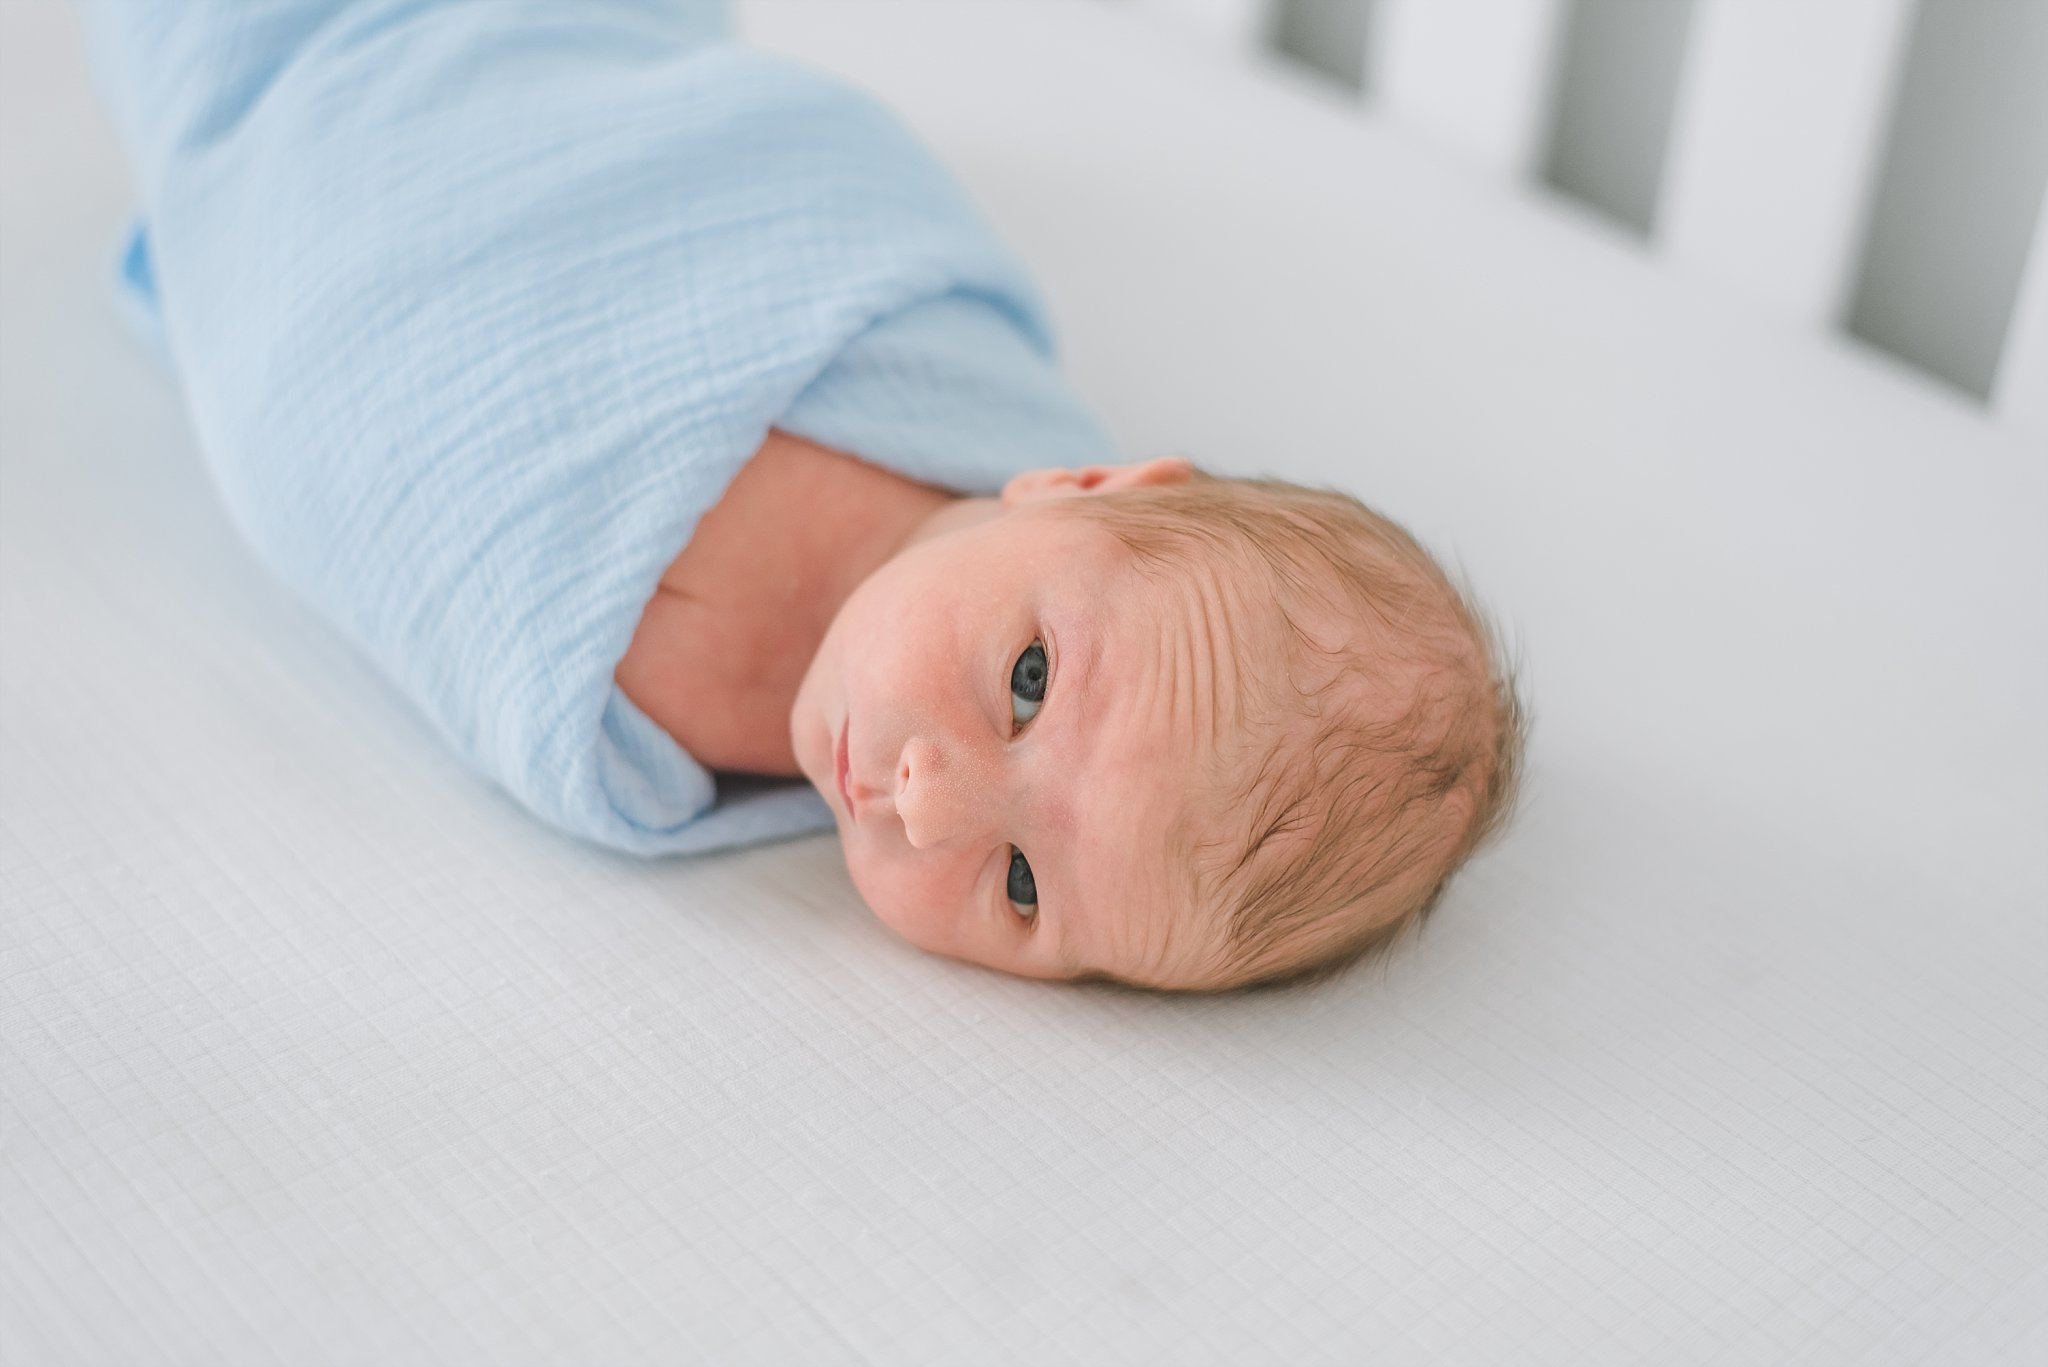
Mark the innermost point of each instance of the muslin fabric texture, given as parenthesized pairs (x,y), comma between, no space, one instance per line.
(478,307)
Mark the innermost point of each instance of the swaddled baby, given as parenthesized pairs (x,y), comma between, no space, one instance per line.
(1131,722)
(658,415)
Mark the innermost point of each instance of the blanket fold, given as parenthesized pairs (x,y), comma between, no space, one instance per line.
(478,307)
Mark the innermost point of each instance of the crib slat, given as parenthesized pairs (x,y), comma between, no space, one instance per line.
(1473,74)
(1781,117)
(2020,394)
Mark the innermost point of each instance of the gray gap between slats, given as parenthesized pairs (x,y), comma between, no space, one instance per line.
(1329,36)
(1611,116)
(1960,187)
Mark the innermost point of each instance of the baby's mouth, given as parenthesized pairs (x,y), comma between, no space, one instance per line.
(841,769)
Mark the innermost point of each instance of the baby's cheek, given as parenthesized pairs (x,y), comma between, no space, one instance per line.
(879,887)
(910,902)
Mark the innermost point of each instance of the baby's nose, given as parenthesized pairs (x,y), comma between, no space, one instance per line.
(934,797)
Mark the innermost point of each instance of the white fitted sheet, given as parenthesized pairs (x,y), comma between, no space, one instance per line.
(313,1049)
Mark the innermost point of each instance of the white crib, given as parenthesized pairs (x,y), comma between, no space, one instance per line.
(312,1049)
(1875,166)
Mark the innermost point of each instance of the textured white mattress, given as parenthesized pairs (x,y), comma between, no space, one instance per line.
(313,1049)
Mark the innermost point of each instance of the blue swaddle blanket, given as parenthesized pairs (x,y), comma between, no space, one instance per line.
(479,306)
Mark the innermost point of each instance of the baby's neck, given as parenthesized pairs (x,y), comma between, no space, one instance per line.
(723,647)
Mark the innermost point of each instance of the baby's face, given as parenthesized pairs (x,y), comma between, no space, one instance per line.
(1022,713)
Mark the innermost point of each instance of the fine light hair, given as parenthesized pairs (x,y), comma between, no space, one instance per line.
(1363,767)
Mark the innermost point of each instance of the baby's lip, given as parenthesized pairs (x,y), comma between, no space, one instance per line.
(841,769)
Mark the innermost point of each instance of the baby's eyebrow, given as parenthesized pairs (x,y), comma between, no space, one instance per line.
(1079,686)
(1083,933)
(1142,929)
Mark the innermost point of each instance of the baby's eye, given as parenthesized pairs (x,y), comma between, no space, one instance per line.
(1023,888)
(1027,680)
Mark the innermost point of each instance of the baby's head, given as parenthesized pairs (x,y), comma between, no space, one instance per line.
(1140,723)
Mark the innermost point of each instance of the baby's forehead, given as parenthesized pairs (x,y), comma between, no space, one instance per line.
(1231,602)
(1140,564)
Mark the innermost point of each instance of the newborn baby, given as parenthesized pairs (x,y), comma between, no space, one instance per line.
(1127,722)
(654,412)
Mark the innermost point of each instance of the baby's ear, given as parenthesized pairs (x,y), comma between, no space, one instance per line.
(1058,482)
